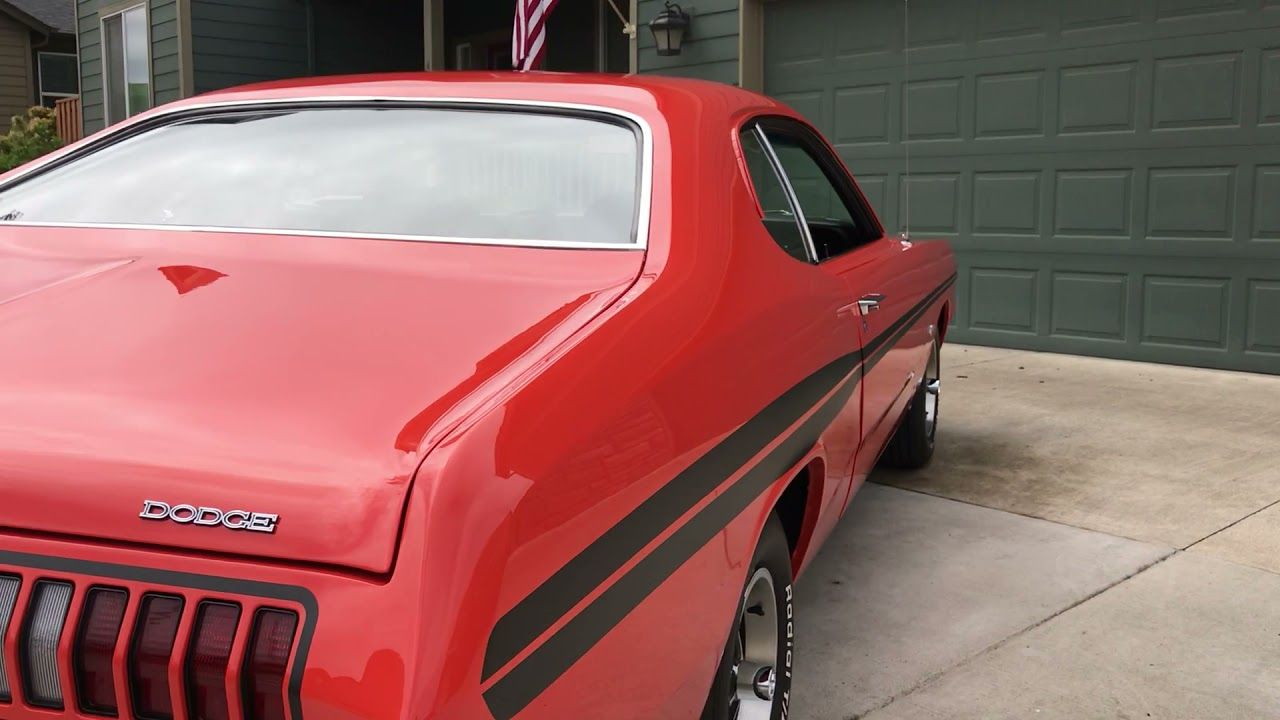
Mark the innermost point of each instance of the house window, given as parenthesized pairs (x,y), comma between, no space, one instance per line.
(57,73)
(127,61)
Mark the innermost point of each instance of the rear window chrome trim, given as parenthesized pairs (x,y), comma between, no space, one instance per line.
(160,116)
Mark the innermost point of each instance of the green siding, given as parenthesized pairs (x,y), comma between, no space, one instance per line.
(165,74)
(90,66)
(1107,172)
(166,80)
(242,41)
(710,48)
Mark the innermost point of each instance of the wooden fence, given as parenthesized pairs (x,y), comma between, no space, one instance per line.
(67,114)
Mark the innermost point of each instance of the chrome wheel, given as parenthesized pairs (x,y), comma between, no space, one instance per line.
(755,651)
(932,388)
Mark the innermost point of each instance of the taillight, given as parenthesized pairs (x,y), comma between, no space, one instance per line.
(158,618)
(96,646)
(70,636)
(266,663)
(208,658)
(8,598)
(49,604)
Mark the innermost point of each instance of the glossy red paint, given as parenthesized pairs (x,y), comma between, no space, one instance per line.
(444,428)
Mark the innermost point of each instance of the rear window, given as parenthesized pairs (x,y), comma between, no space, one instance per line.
(424,172)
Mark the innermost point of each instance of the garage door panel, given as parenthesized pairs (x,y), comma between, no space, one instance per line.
(1262,334)
(937,109)
(1008,19)
(1093,202)
(1211,313)
(1189,203)
(1083,16)
(1007,203)
(861,114)
(1198,90)
(1180,9)
(1009,104)
(1269,88)
(1003,299)
(1266,204)
(934,207)
(1089,305)
(1097,98)
(1187,312)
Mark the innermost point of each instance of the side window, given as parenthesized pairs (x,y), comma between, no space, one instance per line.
(779,217)
(836,225)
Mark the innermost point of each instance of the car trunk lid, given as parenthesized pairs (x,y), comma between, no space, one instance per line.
(270,381)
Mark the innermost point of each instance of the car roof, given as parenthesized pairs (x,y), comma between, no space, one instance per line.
(642,94)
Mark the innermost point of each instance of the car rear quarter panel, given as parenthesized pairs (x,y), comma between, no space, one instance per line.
(515,500)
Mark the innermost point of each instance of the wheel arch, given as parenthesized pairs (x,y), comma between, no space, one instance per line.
(798,506)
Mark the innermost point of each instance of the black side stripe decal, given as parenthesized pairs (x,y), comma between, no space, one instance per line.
(555,597)
(528,679)
(571,583)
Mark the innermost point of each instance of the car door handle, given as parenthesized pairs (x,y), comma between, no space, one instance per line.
(870,303)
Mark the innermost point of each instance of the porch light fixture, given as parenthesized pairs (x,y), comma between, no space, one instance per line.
(669,28)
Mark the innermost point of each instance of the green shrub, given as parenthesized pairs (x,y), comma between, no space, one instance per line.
(29,137)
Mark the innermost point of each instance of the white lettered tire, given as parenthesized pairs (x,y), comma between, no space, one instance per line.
(753,681)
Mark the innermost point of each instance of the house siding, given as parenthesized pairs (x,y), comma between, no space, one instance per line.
(166,75)
(241,41)
(710,48)
(91,104)
(15,70)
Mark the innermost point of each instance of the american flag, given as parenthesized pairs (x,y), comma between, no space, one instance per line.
(529,38)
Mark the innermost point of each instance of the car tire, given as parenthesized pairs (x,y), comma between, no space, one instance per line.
(751,679)
(912,445)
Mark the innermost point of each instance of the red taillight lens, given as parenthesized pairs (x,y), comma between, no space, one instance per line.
(266,664)
(95,647)
(149,662)
(208,659)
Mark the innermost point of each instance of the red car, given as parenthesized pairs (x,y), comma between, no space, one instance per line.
(441,396)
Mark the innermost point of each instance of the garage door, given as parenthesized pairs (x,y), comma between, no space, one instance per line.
(1108,171)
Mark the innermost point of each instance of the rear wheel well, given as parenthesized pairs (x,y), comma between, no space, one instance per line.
(793,508)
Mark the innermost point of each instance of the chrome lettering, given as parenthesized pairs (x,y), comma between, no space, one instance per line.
(205,516)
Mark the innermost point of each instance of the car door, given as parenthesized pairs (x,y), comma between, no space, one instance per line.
(829,309)
(847,240)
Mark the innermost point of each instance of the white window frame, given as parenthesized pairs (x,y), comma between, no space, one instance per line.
(102,52)
(40,91)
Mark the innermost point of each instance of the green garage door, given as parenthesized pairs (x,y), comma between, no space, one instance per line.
(1108,171)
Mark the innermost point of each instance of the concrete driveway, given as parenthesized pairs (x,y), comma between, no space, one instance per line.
(1094,539)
